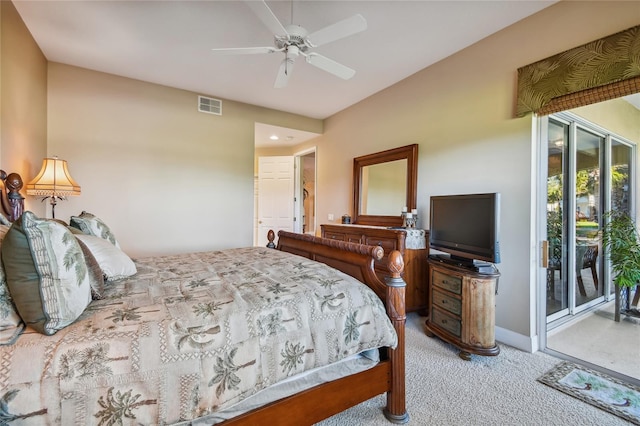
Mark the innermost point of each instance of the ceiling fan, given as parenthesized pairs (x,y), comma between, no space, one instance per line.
(294,40)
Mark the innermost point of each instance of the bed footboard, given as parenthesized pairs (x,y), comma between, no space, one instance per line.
(357,260)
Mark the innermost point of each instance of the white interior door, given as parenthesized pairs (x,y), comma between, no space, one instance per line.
(275,196)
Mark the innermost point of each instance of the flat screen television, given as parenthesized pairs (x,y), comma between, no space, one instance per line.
(466,226)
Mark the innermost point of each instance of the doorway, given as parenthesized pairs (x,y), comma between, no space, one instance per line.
(285,193)
(284,181)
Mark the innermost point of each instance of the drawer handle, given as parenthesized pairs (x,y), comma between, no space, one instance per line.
(380,243)
(443,321)
(444,301)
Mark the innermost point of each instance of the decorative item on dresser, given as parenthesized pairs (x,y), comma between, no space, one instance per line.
(462,307)
(411,243)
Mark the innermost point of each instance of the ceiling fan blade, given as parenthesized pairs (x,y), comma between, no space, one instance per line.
(244,50)
(330,66)
(286,67)
(339,30)
(267,17)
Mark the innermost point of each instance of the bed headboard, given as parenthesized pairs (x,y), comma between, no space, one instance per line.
(12,201)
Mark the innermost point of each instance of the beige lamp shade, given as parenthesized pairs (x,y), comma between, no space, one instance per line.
(53,180)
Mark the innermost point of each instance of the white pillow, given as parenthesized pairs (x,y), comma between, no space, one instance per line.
(115,264)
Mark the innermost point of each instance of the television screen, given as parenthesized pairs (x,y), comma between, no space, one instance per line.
(466,226)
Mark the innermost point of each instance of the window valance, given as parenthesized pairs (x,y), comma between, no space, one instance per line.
(603,69)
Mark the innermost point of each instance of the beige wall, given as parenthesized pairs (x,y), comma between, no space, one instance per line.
(169,179)
(460,112)
(23,100)
(165,177)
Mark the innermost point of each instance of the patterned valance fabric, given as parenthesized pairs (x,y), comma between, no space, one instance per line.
(603,69)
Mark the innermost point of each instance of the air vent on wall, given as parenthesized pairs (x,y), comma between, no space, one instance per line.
(209,105)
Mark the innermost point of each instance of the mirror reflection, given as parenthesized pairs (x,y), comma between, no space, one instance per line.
(384,188)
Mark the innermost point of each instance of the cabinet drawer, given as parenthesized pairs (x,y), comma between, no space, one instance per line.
(342,236)
(446,322)
(450,303)
(447,282)
(388,244)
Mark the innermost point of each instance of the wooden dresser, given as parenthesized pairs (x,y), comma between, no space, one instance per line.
(462,308)
(412,243)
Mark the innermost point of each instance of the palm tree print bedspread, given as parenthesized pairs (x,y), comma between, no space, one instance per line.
(189,335)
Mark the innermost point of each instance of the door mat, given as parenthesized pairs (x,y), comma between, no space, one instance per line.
(595,388)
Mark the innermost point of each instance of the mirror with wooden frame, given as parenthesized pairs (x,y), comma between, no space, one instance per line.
(384,183)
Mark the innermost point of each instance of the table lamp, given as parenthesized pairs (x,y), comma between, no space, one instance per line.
(53,182)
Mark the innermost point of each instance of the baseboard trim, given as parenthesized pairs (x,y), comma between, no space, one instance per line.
(517,340)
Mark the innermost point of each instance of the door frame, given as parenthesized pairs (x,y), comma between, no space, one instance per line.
(540,151)
(298,189)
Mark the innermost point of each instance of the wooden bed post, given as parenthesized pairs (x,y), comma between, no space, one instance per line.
(271,236)
(396,410)
(12,201)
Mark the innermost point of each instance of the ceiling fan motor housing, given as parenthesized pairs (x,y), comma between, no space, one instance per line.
(296,36)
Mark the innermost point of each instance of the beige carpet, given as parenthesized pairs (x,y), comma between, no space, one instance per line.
(442,389)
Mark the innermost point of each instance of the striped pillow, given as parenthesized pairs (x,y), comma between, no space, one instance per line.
(46,273)
(11,324)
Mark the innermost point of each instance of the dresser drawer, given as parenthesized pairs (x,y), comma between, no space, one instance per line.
(446,322)
(342,236)
(447,302)
(388,244)
(447,282)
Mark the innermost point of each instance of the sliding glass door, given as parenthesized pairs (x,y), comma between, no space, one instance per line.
(588,171)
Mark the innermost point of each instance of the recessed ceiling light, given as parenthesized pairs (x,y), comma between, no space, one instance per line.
(274,137)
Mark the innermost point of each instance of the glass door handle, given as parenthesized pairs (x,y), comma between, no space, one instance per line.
(545,253)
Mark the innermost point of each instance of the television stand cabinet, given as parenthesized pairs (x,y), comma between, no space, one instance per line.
(412,244)
(462,308)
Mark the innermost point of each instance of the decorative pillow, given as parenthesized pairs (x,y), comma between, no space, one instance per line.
(96,276)
(11,324)
(114,263)
(92,225)
(75,230)
(46,273)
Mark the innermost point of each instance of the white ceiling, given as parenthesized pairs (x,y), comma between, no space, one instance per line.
(170,42)
(633,100)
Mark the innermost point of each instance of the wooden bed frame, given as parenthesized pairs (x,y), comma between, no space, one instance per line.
(327,399)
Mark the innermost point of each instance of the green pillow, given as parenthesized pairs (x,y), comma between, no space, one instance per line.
(92,225)
(11,324)
(96,275)
(46,273)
